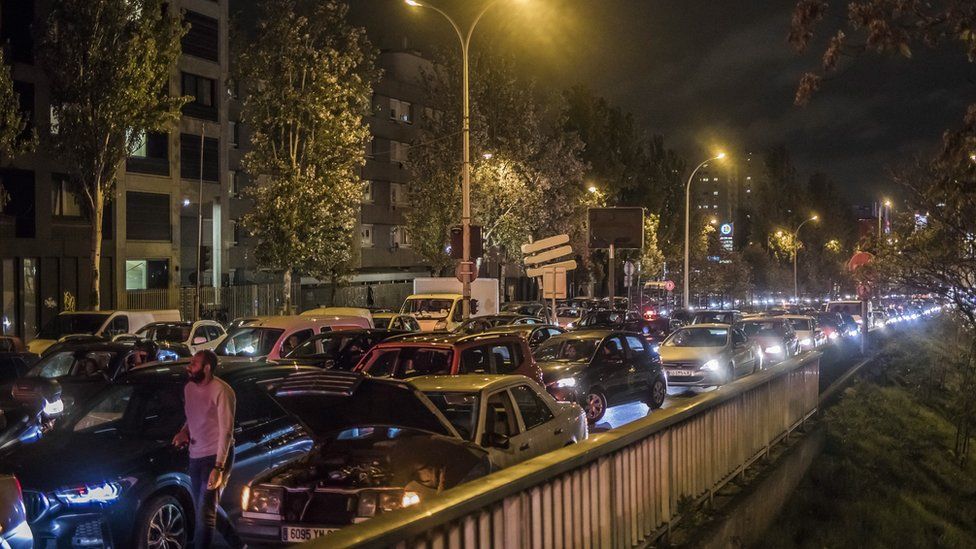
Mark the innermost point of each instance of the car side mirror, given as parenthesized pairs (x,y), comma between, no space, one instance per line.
(497,440)
(199,340)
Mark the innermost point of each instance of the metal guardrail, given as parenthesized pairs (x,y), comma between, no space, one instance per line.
(618,489)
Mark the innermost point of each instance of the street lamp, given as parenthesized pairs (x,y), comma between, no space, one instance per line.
(796,249)
(881,206)
(592,189)
(465,39)
(685,288)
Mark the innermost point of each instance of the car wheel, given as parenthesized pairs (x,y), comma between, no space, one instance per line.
(659,391)
(595,405)
(163,524)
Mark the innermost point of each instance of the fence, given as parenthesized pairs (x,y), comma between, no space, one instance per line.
(621,489)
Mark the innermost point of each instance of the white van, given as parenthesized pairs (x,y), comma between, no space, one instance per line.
(99,323)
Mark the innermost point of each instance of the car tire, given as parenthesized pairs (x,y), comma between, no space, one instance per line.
(163,523)
(659,392)
(594,405)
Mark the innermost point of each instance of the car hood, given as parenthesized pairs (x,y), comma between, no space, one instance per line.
(558,369)
(688,354)
(766,341)
(93,458)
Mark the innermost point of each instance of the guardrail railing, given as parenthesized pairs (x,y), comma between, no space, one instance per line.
(619,489)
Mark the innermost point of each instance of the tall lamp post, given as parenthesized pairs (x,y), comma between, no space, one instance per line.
(882,207)
(684,296)
(796,250)
(465,39)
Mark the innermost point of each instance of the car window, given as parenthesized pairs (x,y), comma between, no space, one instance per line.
(381,322)
(396,324)
(214,332)
(612,349)
(108,412)
(120,325)
(423,362)
(414,325)
(254,405)
(505,358)
(636,346)
(738,337)
(294,340)
(162,413)
(538,336)
(474,361)
(500,416)
(461,409)
(55,365)
(554,332)
(201,331)
(534,411)
(381,363)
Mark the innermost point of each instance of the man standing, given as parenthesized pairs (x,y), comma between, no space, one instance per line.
(209,430)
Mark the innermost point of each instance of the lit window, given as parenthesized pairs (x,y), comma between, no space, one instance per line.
(368,192)
(401,111)
(55,122)
(64,203)
(140,150)
(715,193)
(399,238)
(367,236)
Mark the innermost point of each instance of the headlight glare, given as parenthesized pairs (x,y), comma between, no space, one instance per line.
(711,365)
(566,382)
(773,350)
(263,499)
(100,493)
(410,498)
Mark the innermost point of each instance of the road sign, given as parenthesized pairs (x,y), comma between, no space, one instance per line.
(554,283)
(629,268)
(466,271)
(545,243)
(548,255)
(669,285)
(568,265)
(622,227)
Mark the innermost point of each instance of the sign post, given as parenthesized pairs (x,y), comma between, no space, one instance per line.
(542,262)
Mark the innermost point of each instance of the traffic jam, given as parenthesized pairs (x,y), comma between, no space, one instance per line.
(344,413)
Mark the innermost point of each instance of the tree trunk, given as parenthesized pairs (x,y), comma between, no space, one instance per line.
(286,281)
(95,296)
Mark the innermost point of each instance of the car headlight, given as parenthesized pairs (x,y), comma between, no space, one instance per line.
(833,335)
(409,498)
(566,382)
(104,493)
(711,365)
(806,342)
(656,348)
(371,502)
(773,350)
(53,408)
(262,499)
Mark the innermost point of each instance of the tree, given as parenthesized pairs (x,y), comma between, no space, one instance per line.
(13,125)
(651,258)
(109,64)
(309,77)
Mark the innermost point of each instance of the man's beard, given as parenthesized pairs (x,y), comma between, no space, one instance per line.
(198,377)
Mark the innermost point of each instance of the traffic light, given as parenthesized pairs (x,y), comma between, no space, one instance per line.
(204,258)
(457,245)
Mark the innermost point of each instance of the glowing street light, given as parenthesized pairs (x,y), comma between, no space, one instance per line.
(487,156)
(685,295)
(592,189)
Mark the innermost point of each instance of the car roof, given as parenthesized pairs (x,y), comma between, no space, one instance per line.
(511,328)
(89,346)
(705,325)
(466,383)
(293,321)
(592,333)
(174,323)
(443,338)
(358,331)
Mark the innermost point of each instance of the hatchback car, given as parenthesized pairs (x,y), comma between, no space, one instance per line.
(705,355)
(272,337)
(108,476)
(602,368)
(775,337)
(339,350)
(807,331)
(197,336)
(450,354)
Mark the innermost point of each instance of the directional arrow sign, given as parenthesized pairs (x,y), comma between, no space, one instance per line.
(538,271)
(550,242)
(549,255)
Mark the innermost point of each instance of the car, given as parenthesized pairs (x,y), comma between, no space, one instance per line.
(611,319)
(15,532)
(716,316)
(534,334)
(450,354)
(775,335)
(512,417)
(197,336)
(831,324)
(807,331)
(483,323)
(379,445)
(107,475)
(526,308)
(568,316)
(339,350)
(602,368)
(341,311)
(272,337)
(388,320)
(705,355)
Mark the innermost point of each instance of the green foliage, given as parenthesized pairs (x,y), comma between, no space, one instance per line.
(309,77)
(651,258)
(107,62)
(13,123)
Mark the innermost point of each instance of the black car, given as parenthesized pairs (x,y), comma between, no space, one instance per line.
(602,368)
(108,476)
(628,321)
(338,350)
(380,445)
(484,323)
(15,533)
(535,334)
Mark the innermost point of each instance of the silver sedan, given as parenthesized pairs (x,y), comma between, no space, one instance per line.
(703,355)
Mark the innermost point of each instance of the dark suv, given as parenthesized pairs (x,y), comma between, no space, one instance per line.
(108,476)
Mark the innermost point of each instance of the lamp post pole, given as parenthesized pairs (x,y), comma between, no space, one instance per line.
(684,295)
(796,250)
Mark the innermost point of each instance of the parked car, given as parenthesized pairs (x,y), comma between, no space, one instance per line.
(483,323)
(716,316)
(379,445)
(118,482)
(808,333)
(389,320)
(602,368)
(535,334)
(512,417)
(775,335)
(272,337)
(705,355)
(96,323)
(450,354)
(339,350)
(15,532)
(197,336)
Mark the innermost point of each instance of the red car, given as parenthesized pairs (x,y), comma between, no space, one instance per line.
(450,354)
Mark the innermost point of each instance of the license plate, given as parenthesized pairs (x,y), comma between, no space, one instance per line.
(680,373)
(301,533)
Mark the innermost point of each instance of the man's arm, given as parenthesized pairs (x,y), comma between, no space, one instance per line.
(226,407)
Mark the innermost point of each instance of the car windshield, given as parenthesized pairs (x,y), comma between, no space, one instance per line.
(528,309)
(767,328)
(403,362)
(171,333)
(68,324)
(715,317)
(74,364)
(382,322)
(461,409)
(569,349)
(327,346)
(429,308)
(801,324)
(601,318)
(249,341)
(143,411)
(698,337)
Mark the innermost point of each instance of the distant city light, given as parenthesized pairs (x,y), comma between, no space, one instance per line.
(186,201)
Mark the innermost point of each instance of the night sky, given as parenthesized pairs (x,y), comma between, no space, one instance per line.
(709,73)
